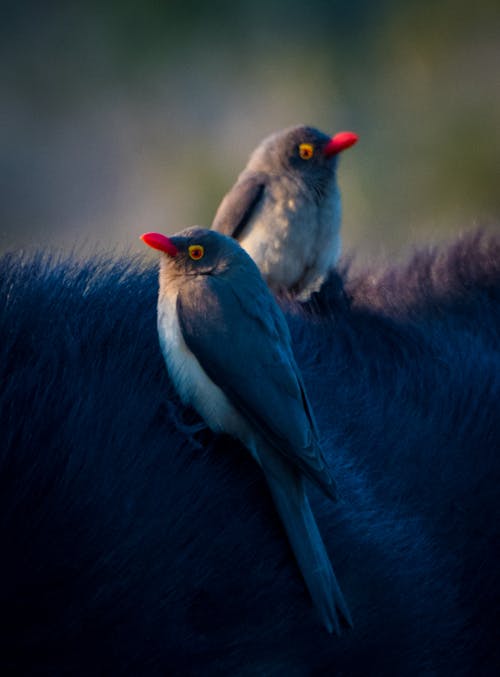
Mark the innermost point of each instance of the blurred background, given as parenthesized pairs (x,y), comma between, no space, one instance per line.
(119,117)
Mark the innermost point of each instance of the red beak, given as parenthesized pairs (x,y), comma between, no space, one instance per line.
(161,242)
(340,142)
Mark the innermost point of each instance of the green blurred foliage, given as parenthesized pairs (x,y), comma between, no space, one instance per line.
(123,116)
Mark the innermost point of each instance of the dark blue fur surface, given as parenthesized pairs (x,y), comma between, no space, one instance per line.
(129,546)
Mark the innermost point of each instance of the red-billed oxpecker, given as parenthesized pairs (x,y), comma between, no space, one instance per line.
(284,208)
(228,352)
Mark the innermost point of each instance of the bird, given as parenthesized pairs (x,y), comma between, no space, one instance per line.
(285,208)
(228,351)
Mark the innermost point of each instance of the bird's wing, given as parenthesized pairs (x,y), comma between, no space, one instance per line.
(241,340)
(239,204)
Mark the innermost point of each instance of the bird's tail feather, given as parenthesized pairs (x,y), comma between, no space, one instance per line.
(288,491)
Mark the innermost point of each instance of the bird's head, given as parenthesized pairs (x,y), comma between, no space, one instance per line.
(302,151)
(196,251)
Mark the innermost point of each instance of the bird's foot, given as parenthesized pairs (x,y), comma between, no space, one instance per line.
(186,421)
(191,429)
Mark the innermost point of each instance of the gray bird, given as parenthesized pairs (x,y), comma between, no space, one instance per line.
(228,351)
(284,208)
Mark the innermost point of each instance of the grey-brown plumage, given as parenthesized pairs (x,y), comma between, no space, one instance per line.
(228,352)
(284,208)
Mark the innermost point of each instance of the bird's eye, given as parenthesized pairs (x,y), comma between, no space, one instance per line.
(306,151)
(196,252)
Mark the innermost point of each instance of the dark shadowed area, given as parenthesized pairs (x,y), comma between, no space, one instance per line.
(124,117)
(130,547)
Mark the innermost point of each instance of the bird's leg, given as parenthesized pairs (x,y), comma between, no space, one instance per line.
(191,428)
(329,298)
(187,421)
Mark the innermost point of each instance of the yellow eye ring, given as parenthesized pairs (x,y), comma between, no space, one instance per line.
(306,151)
(196,251)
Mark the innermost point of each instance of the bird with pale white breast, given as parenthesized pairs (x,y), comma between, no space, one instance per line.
(215,312)
(285,208)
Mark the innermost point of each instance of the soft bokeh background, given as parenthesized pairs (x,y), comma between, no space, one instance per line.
(119,117)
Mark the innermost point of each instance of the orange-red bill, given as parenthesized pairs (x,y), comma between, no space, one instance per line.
(340,142)
(161,242)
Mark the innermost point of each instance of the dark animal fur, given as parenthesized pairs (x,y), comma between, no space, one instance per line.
(129,546)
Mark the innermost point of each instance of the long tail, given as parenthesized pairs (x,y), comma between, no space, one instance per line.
(288,491)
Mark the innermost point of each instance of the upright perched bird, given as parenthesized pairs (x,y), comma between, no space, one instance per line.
(284,208)
(228,352)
